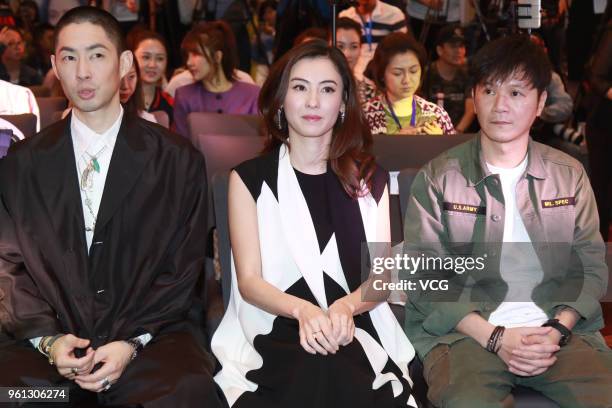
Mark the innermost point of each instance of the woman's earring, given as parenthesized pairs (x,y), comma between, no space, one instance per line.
(279,118)
(342,116)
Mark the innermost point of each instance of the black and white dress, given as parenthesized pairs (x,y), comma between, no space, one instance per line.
(310,234)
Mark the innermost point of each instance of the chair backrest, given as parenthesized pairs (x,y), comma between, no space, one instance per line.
(223,152)
(220,190)
(395,152)
(162,118)
(40,91)
(26,122)
(206,123)
(404,182)
(48,106)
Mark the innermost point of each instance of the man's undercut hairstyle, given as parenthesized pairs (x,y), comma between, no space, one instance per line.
(95,16)
(505,57)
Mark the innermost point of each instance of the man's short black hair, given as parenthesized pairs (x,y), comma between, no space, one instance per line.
(515,54)
(95,16)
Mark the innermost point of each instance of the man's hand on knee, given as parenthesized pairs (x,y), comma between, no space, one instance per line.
(68,365)
(527,359)
(114,357)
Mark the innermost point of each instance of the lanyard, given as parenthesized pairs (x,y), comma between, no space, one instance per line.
(367,27)
(396,119)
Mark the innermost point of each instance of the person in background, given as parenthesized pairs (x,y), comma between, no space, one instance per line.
(211,59)
(27,15)
(13,68)
(183,77)
(263,51)
(348,40)
(130,94)
(446,81)
(396,109)
(42,48)
(152,55)
(377,19)
(16,100)
(298,216)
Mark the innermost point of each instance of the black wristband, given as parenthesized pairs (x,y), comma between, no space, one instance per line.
(494,339)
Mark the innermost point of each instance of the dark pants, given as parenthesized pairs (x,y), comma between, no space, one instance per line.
(466,375)
(171,371)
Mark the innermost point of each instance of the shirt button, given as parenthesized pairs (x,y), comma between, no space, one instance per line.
(219,110)
(218,97)
(495,217)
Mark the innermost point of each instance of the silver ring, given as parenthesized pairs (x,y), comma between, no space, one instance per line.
(107,387)
(105,384)
(74,370)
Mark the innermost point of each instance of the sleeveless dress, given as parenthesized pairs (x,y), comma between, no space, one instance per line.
(310,235)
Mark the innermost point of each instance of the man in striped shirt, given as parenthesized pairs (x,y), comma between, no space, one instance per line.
(377,19)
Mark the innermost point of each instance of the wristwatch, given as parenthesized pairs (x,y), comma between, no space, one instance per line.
(566,334)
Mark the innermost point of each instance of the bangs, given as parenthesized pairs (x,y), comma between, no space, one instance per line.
(191,44)
(506,73)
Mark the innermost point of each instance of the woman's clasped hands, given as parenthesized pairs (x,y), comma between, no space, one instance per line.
(322,332)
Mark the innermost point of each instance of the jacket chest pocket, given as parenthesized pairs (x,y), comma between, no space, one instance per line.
(559,223)
(464,227)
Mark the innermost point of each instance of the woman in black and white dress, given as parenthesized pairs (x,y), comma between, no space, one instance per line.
(297,332)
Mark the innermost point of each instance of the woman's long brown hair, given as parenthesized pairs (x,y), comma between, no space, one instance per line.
(350,149)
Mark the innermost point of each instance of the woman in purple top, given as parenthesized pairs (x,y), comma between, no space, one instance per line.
(210,50)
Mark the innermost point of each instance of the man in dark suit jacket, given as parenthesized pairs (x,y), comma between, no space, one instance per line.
(102,230)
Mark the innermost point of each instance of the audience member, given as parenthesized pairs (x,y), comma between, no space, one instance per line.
(396,109)
(298,215)
(16,100)
(377,19)
(27,15)
(12,67)
(348,40)
(131,95)
(92,292)
(446,81)
(531,315)
(42,48)
(211,59)
(183,77)
(262,48)
(152,54)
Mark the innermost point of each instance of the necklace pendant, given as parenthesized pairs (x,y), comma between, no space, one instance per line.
(86,179)
(96,165)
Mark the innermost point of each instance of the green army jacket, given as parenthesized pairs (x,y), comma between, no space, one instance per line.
(456,199)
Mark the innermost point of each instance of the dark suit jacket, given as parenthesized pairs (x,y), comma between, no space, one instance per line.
(148,247)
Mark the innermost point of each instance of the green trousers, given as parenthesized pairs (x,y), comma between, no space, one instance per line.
(464,374)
